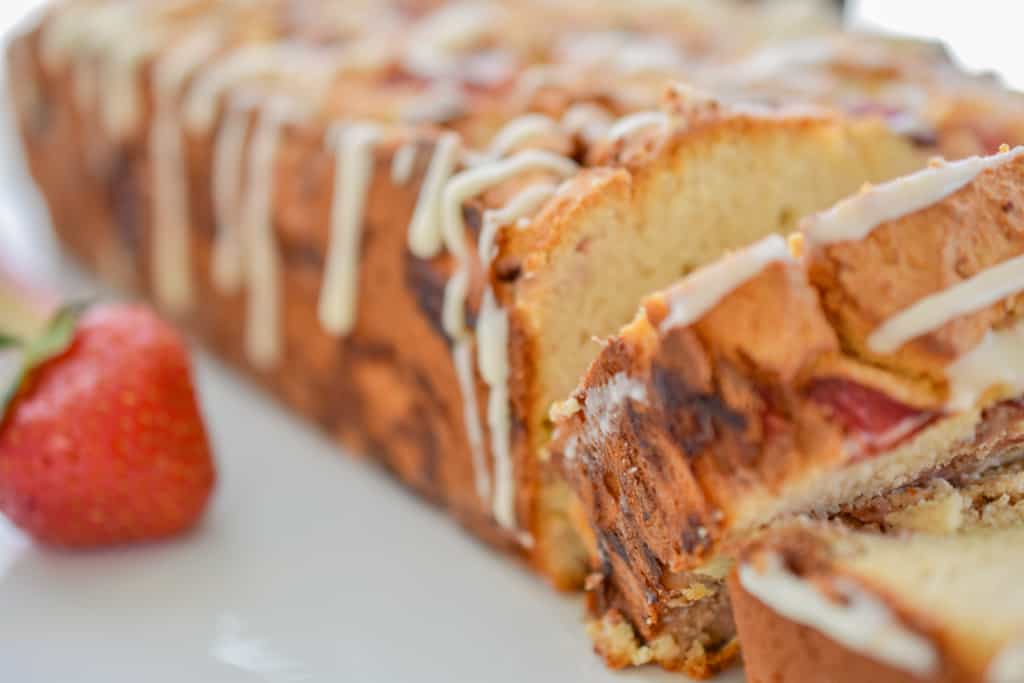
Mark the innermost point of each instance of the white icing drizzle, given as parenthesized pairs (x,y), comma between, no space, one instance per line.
(352,176)
(474,181)
(492,351)
(1008,666)
(658,55)
(587,120)
(120,102)
(403,162)
(519,130)
(106,44)
(492,322)
(312,66)
(633,123)
(79,30)
(856,217)
(172,281)
(63,33)
(973,294)
(778,60)
(470,183)
(623,51)
(524,204)
(425,240)
(262,335)
(863,624)
(228,159)
(463,356)
(435,40)
(698,293)
(492,359)
(535,78)
(443,100)
(603,403)
(997,361)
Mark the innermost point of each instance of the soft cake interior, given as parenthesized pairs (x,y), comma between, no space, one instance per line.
(714,187)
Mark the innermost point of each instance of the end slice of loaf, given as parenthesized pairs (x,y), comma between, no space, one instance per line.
(816,602)
(744,394)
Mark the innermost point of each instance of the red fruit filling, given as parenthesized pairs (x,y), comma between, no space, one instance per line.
(873,421)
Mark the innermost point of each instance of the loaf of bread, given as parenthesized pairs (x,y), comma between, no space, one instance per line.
(278,179)
(766,386)
(819,603)
(409,219)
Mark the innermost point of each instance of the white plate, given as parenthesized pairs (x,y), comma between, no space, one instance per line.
(310,566)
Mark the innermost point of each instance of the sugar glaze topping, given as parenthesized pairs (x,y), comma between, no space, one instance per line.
(492,351)
(492,360)
(228,159)
(521,130)
(425,240)
(863,624)
(352,175)
(998,361)
(519,208)
(262,332)
(471,183)
(492,322)
(172,281)
(462,355)
(402,163)
(856,217)
(699,292)
(973,294)
(634,123)
(311,65)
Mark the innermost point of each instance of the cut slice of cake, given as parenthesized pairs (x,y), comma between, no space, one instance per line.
(690,184)
(816,602)
(766,386)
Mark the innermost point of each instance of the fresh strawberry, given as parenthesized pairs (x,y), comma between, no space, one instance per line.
(101,440)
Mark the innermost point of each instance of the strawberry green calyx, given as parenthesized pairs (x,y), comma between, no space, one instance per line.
(52,341)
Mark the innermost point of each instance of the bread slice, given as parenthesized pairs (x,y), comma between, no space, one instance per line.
(819,603)
(758,388)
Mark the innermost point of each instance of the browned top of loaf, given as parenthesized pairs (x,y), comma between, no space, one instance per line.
(696,121)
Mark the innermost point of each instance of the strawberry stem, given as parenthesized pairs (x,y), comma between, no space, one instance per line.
(9,341)
(36,350)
